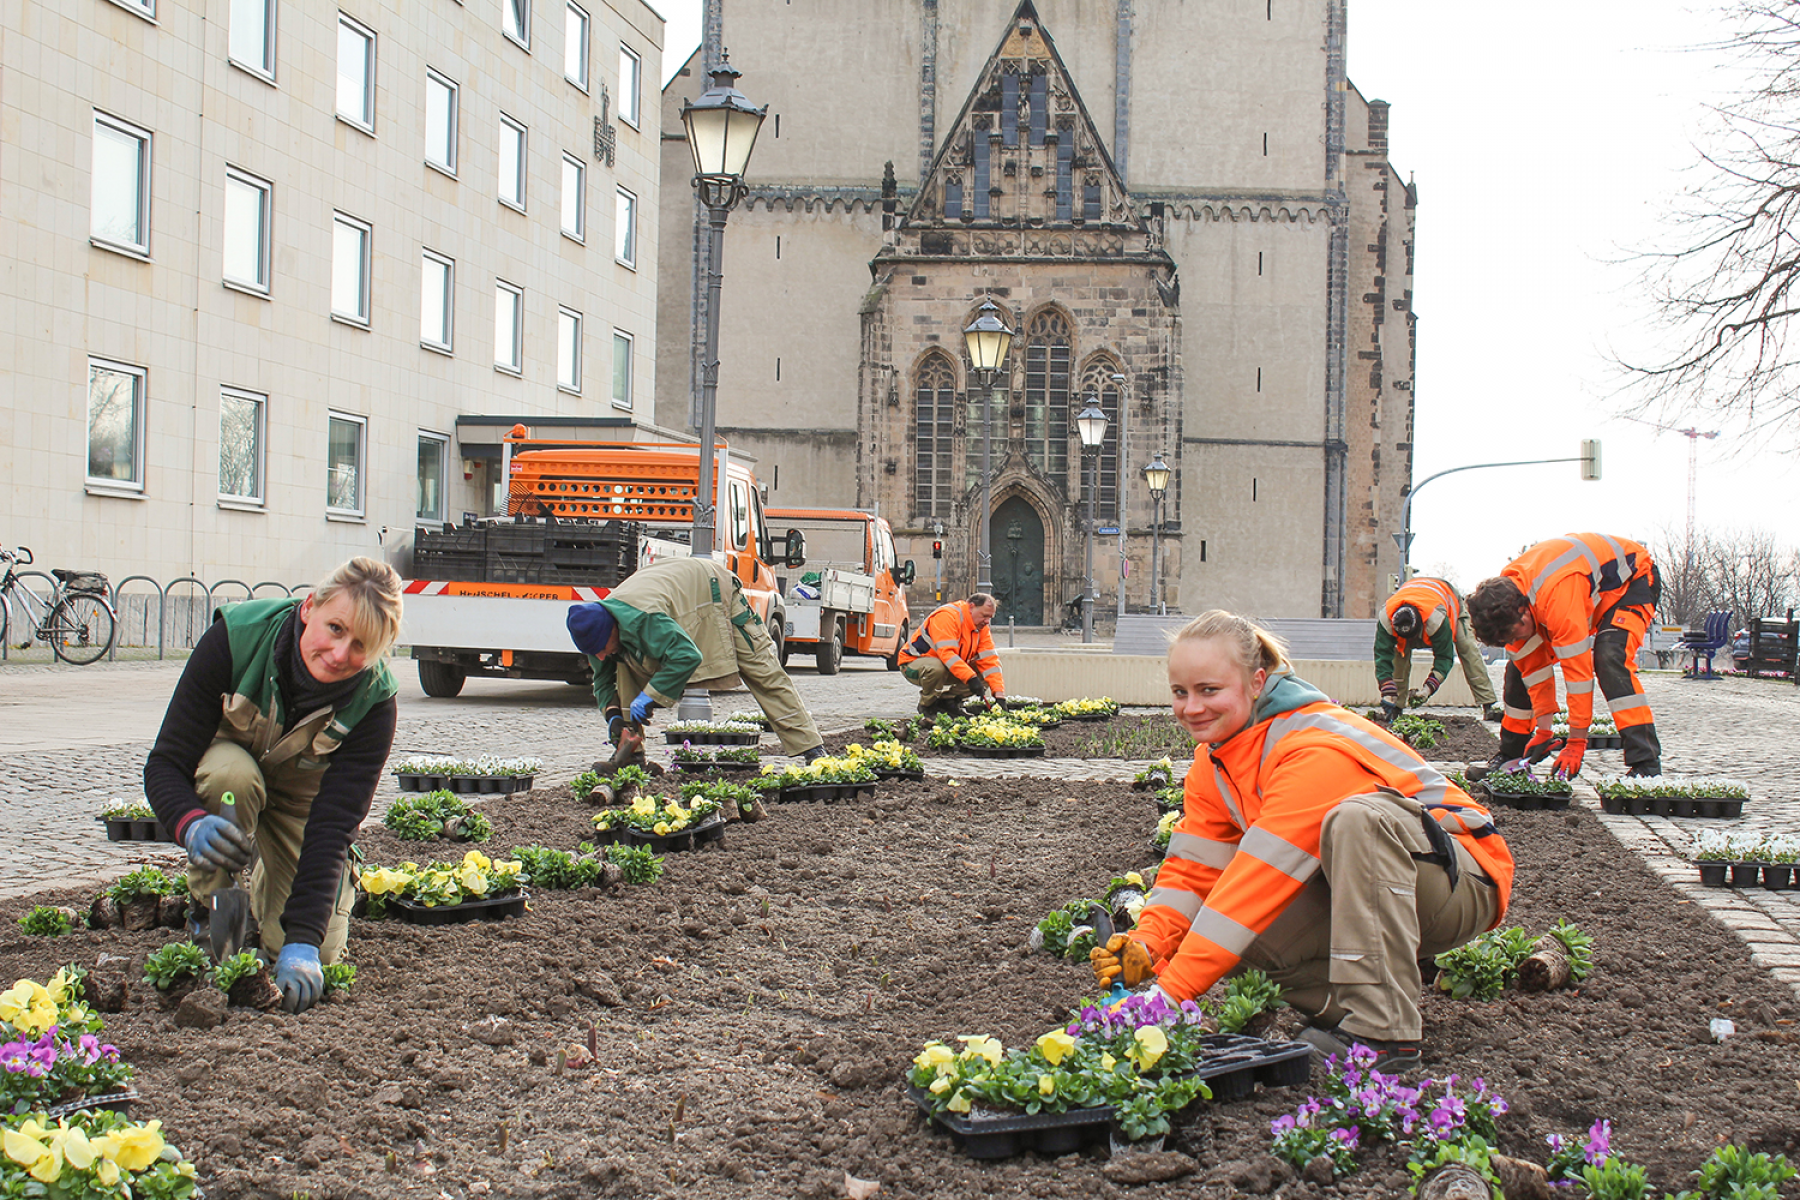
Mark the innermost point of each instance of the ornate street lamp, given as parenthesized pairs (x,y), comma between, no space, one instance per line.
(1091,425)
(988,340)
(1156,476)
(721,131)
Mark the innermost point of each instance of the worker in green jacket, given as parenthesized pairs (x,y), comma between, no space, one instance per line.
(1428,611)
(678,623)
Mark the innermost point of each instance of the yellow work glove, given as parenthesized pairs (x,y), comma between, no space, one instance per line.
(1121,955)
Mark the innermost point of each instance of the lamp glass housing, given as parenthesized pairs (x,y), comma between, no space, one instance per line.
(988,338)
(721,128)
(1091,423)
(1156,475)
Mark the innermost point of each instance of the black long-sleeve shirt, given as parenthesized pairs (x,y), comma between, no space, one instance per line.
(346,790)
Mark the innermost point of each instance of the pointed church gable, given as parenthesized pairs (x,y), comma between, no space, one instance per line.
(1023,169)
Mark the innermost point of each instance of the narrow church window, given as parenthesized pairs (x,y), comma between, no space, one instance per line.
(1265,145)
(953,200)
(1269,10)
(777,124)
(778,369)
(934,422)
(1202,549)
(1065,175)
(1049,352)
(778,253)
(1259,379)
(1259,255)
(982,175)
(1096,380)
(1009,109)
(1040,108)
(1253,489)
(1090,202)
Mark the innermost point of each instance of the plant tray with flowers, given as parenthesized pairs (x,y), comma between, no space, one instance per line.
(1602,733)
(446,893)
(824,778)
(51,1055)
(1032,714)
(998,737)
(484,773)
(1105,708)
(1522,789)
(671,823)
(1672,796)
(712,733)
(726,760)
(93,1154)
(133,822)
(888,759)
(1742,860)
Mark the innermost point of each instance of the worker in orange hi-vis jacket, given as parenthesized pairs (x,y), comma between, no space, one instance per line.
(1582,601)
(952,657)
(1428,612)
(1313,845)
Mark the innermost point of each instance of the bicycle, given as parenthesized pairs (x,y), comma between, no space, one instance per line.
(76,618)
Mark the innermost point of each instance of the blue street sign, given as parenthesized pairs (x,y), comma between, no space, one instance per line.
(1108,531)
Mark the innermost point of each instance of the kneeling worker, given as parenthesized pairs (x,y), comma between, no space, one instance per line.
(681,620)
(953,656)
(287,705)
(1428,611)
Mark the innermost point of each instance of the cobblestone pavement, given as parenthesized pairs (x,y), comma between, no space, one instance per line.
(73,739)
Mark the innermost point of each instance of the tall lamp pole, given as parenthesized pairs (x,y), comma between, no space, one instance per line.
(1091,424)
(988,339)
(721,131)
(1156,476)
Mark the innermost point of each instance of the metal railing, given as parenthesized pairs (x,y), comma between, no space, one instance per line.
(157,615)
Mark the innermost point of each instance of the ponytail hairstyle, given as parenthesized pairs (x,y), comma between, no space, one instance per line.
(374,591)
(1251,645)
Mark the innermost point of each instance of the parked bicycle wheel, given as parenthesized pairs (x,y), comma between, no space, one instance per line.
(5,618)
(81,629)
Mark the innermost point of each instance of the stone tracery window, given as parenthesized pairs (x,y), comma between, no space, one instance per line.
(1096,380)
(1049,352)
(934,425)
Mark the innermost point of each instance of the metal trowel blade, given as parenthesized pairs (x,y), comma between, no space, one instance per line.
(230,922)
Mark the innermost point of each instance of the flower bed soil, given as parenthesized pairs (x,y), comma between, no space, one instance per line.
(754,1013)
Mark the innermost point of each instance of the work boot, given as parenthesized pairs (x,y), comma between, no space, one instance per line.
(1512,746)
(1391,1057)
(817,752)
(1492,712)
(1644,769)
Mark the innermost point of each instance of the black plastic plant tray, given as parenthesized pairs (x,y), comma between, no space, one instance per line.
(1521,800)
(886,773)
(1712,807)
(827,792)
(130,829)
(119,1102)
(1236,1062)
(1605,741)
(494,909)
(1004,751)
(710,830)
(714,737)
(730,768)
(1088,716)
(1772,876)
(466,784)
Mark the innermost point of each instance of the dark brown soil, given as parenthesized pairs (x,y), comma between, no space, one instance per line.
(753,1014)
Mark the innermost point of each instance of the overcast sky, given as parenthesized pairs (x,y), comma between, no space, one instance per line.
(1549,140)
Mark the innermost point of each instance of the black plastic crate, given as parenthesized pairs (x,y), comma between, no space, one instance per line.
(516,539)
(450,564)
(457,539)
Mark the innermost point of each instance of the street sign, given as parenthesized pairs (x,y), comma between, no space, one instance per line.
(1107,530)
(1404,541)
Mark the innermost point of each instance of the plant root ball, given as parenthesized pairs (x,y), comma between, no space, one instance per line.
(1546,967)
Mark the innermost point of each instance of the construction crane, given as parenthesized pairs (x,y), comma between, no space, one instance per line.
(1693,436)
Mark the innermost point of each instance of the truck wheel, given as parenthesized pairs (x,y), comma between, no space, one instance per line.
(893,660)
(778,635)
(440,679)
(831,650)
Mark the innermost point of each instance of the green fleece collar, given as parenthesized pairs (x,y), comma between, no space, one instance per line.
(1283,692)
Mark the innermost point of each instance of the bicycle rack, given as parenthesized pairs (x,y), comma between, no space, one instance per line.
(162,626)
(257,587)
(23,575)
(119,611)
(249,592)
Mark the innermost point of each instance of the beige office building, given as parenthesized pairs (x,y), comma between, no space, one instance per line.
(279,273)
(1184,209)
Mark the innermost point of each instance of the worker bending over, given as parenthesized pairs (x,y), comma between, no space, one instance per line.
(1428,611)
(953,658)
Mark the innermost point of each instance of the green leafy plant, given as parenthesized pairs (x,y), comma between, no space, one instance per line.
(1578,946)
(339,976)
(1068,932)
(904,730)
(175,962)
(637,862)
(46,920)
(1733,1173)
(128,811)
(239,966)
(423,817)
(1524,783)
(1157,775)
(727,795)
(1246,997)
(743,755)
(1615,1179)
(1421,733)
(145,881)
(1482,967)
(472,827)
(1472,1151)
(1146,1113)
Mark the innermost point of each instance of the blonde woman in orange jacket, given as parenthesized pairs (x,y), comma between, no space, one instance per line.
(1313,845)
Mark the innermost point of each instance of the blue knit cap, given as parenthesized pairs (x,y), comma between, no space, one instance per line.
(591,627)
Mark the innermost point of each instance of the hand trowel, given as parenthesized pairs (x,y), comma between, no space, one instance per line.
(230,921)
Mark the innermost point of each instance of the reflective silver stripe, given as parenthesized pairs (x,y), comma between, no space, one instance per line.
(1229,797)
(1579,551)
(1433,785)
(1631,703)
(1575,649)
(1524,714)
(1229,935)
(944,644)
(1180,899)
(1278,852)
(985,655)
(1205,851)
(1539,676)
(994,670)
(1436,622)
(1583,687)
(1526,647)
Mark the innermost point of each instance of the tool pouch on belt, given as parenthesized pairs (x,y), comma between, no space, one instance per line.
(1443,848)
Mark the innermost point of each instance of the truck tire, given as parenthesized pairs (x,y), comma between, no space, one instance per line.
(893,660)
(778,635)
(831,650)
(440,679)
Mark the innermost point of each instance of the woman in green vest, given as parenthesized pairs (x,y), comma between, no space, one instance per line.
(287,705)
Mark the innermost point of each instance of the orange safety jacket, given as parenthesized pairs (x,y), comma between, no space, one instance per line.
(1248,838)
(1441,609)
(1571,582)
(949,634)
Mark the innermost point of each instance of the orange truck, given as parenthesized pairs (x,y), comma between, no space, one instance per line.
(491,597)
(852,598)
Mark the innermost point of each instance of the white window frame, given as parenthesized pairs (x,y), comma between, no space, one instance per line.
(146,148)
(364,118)
(631,85)
(427,260)
(568,350)
(575,14)
(139,8)
(264,67)
(516,365)
(579,232)
(260,285)
(442,441)
(362,465)
(258,450)
(451,119)
(625,228)
(510,126)
(140,403)
(522,36)
(341,224)
(619,335)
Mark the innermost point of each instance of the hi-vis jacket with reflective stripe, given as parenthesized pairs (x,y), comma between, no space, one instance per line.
(950,635)
(1248,838)
(1441,607)
(1570,581)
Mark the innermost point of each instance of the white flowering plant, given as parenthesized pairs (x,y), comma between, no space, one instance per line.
(1676,787)
(482,764)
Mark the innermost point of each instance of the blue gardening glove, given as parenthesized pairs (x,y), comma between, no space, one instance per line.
(217,843)
(299,976)
(642,707)
(615,725)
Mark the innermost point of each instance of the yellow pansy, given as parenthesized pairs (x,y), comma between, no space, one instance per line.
(511,866)
(959,1103)
(28,1007)
(107,1172)
(976,1045)
(1107,1062)
(27,1147)
(382,881)
(478,860)
(1046,1086)
(935,1055)
(1055,1046)
(643,806)
(941,1084)
(1134,879)
(602,822)
(472,879)
(660,828)
(134,1147)
(77,1151)
(1148,1044)
(58,987)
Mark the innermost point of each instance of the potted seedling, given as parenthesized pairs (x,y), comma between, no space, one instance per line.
(1522,789)
(135,901)
(436,814)
(1714,852)
(246,983)
(47,920)
(1563,956)
(175,970)
(128,821)
(676,823)
(697,760)
(888,759)
(1165,829)
(1673,796)
(712,733)
(1779,855)
(824,778)
(444,893)
(998,737)
(1421,733)
(1155,777)
(738,801)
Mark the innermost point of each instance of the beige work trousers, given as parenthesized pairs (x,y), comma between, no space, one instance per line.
(1468,653)
(762,673)
(1346,951)
(934,681)
(278,825)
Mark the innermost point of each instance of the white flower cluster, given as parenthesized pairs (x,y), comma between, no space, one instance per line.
(1720,845)
(732,724)
(483,764)
(1677,786)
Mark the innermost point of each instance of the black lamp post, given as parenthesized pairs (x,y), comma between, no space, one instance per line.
(721,132)
(988,340)
(1091,424)
(1156,475)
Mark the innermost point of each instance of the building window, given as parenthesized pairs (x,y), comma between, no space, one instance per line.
(247,215)
(625,230)
(434,470)
(1065,173)
(440,122)
(115,454)
(241,425)
(350,245)
(251,39)
(621,392)
(345,444)
(981,154)
(512,163)
(574,197)
(437,300)
(509,326)
(934,426)
(120,200)
(1049,349)
(1096,381)
(515,21)
(575,46)
(143,8)
(356,73)
(568,350)
(631,82)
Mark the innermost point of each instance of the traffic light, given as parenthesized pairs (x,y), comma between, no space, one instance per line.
(937,549)
(1590,458)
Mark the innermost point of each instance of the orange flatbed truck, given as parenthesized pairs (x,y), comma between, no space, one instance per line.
(852,600)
